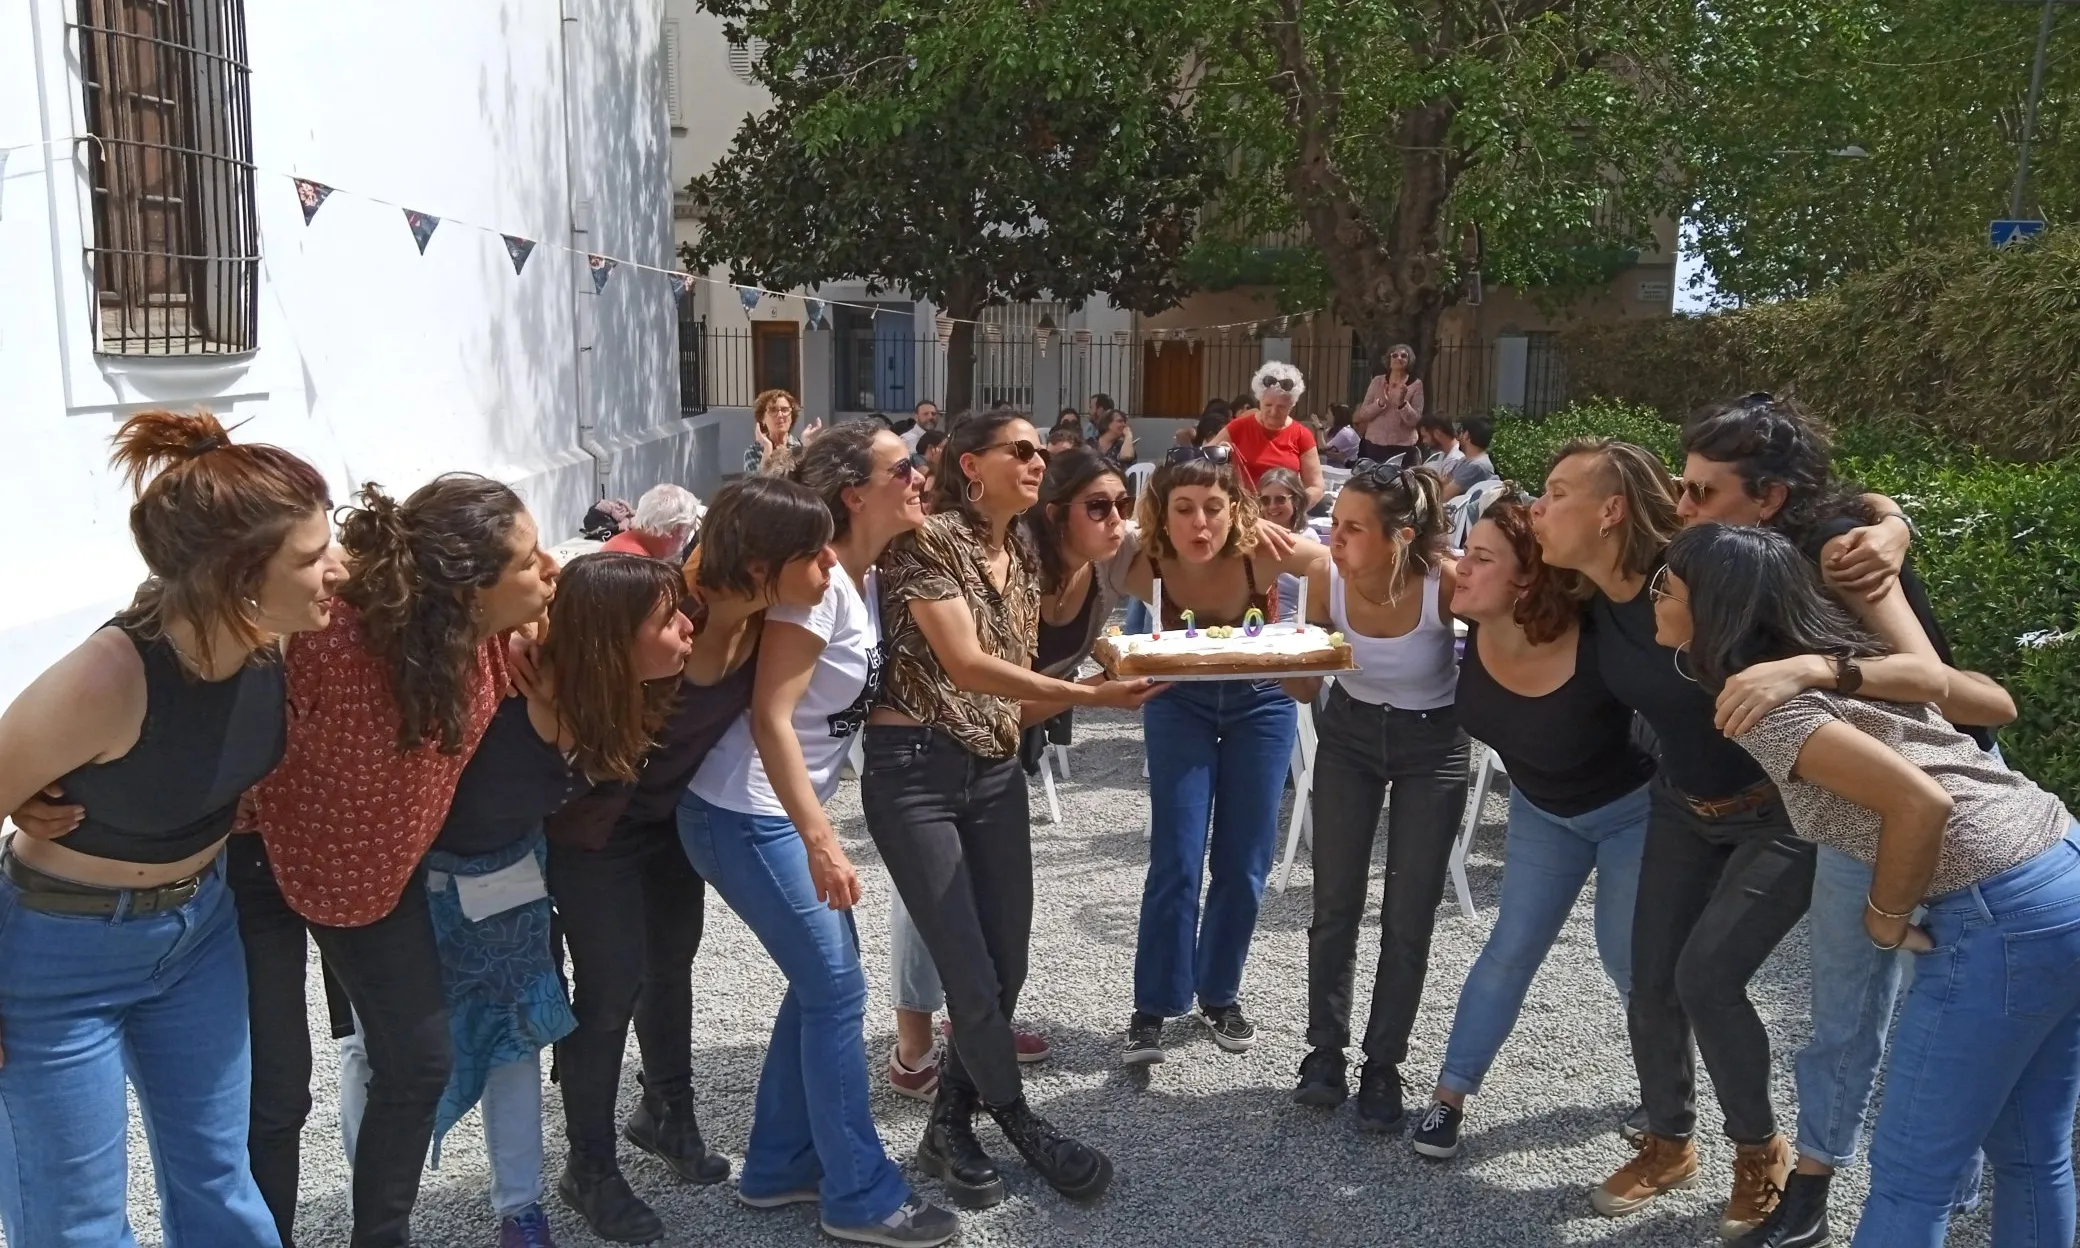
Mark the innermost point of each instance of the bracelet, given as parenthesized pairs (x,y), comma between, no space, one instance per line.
(1893,947)
(1882,912)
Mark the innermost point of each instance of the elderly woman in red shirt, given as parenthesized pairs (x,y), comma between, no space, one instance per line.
(1269,437)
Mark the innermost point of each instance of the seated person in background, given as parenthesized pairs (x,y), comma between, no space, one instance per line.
(928,447)
(1282,500)
(1339,444)
(1064,438)
(1211,421)
(1438,443)
(666,519)
(1475,467)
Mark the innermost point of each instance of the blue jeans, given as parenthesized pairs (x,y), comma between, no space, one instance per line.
(1217,757)
(1547,859)
(85,1001)
(1139,618)
(811,1123)
(913,976)
(1987,1056)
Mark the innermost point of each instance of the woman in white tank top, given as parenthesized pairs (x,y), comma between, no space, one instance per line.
(1390,724)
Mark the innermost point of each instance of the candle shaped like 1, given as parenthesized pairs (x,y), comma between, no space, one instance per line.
(1158,630)
(1186,618)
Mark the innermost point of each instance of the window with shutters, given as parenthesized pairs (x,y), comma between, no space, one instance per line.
(674,95)
(744,58)
(172,238)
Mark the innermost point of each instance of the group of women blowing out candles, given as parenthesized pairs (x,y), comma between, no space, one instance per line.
(495,792)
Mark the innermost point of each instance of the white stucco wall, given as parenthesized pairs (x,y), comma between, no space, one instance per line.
(376,363)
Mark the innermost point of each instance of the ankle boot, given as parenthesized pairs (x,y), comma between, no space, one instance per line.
(595,1188)
(1076,1170)
(950,1153)
(667,1129)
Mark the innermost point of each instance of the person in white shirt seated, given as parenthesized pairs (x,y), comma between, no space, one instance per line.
(1438,442)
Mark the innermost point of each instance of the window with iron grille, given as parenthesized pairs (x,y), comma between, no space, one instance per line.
(172,237)
(693,373)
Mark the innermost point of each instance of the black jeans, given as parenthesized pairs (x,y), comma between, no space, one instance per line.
(390,972)
(1363,750)
(955,835)
(630,914)
(1381,454)
(1715,897)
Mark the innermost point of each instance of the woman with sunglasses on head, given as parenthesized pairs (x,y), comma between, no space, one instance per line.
(1530,689)
(121,956)
(1723,875)
(1282,500)
(1217,753)
(945,797)
(1988,1050)
(754,824)
(1391,409)
(1387,589)
(1268,437)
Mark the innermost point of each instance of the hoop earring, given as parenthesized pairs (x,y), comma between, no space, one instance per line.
(973,493)
(1675,657)
(1604,531)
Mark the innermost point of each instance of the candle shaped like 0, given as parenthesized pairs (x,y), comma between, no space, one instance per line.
(1252,622)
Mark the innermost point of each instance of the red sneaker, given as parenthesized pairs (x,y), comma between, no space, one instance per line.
(1032,1046)
(921,1084)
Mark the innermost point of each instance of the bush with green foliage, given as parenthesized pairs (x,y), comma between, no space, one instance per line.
(1999,551)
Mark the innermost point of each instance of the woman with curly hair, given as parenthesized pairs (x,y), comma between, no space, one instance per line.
(119,953)
(774,447)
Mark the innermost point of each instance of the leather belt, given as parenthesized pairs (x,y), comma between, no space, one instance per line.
(52,895)
(1753,797)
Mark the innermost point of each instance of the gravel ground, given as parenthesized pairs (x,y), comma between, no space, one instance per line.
(1207,1146)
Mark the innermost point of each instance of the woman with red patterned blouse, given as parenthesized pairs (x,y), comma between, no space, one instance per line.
(387,704)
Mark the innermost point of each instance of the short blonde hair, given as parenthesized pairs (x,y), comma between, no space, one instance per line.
(1637,475)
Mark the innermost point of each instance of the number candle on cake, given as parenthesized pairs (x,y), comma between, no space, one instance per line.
(1220,652)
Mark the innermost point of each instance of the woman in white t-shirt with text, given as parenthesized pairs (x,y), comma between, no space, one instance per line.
(754,826)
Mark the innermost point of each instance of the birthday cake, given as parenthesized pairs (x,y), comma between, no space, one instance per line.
(1250,650)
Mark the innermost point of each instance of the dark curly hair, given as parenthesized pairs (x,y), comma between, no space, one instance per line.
(1547,606)
(841,458)
(1068,475)
(417,568)
(1774,441)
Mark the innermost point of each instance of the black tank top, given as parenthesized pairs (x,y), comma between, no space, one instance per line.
(1265,602)
(1060,641)
(513,782)
(202,745)
(1569,751)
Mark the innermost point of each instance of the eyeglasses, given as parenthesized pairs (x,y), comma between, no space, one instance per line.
(1698,492)
(1021,449)
(1219,453)
(905,470)
(1100,508)
(1269,382)
(1657,589)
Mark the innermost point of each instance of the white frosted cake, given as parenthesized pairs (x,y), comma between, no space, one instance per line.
(1224,651)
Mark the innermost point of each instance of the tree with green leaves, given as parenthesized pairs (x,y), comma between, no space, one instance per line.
(877,164)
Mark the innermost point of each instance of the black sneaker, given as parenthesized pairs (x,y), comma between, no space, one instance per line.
(915,1225)
(1230,1029)
(1144,1040)
(1634,1128)
(1437,1131)
(1322,1081)
(1379,1098)
(1798,1221)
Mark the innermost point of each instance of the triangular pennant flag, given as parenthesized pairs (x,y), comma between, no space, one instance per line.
(602,269)
(519,249)
(681,284)
(749,297)
(423,225)
(312,196)
(815,308)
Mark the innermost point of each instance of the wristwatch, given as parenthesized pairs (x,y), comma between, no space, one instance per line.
(1913,530)
(1848,675)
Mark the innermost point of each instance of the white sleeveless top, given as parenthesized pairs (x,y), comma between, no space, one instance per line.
(1417,671)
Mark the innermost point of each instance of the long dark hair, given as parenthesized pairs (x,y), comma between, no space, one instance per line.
(209,516)
(1774,441)
(755,527)
(1069,474)
(950,484)
(1754,598)
(1407,498)
(602,599)
(416,571)
(840,458)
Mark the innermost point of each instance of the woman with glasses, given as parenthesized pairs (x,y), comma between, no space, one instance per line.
(1217,753)
(1391,409)
(1282,500)
(1268,437)
(945,797)
(1390,724)
(1530,689)
(774,446)
(1723,875)
(1988,1046)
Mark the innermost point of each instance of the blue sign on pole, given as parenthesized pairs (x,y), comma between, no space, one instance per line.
(2003,233)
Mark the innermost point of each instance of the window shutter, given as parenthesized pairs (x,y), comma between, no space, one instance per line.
(674,96)
(743,57)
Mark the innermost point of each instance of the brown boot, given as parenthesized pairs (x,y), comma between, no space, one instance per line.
(1759,1171)
(1660,1165)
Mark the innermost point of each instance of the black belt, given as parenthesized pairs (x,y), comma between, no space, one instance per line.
(52,895)
(1754,797)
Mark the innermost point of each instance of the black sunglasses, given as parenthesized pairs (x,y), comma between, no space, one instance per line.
(1023,449)
(1100,508)
(1378,471)
(1219,453)
(1268,381)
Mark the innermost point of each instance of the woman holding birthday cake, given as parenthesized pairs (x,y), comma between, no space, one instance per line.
(1217,750)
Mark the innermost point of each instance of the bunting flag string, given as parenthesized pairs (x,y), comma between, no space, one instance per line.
(312,196)
(519,249)
(602,268)
(681,284)
(423,225)
(749,296)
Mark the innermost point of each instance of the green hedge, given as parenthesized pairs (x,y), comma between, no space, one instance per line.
(1999,551)
(1968,345)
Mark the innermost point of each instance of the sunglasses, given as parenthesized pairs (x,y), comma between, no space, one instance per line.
(905,470)
(1100,508)
(1658,591)
(1269,382)
(1022,450)
(1377,471)
(1696,491)
(1219,453)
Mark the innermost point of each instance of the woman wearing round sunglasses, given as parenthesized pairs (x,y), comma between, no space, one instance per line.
(1268,437)
(945,796)
(1217,753)
(1282,500)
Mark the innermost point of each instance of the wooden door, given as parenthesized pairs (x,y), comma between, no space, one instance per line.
(776,358)
(1170,380)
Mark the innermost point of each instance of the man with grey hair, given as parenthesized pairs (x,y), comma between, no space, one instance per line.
(666,520)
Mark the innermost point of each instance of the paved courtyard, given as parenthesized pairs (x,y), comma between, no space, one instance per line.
(1207,1146)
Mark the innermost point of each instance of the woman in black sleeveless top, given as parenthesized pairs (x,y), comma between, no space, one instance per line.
(118,939)
(1530,689)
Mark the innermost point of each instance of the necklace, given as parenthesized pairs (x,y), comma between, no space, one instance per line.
(1393,594)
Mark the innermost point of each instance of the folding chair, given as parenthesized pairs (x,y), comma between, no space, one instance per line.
(1301,822)
(1484,775)
(1054,805)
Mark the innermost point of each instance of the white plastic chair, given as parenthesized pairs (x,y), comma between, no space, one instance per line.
(856,757)
(1054,805)
(1138,475)
(1301,822)
(1484,775)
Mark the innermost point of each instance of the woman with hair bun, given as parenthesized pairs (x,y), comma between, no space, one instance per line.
(119,951)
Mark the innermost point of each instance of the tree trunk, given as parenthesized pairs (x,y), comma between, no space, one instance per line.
(963,304)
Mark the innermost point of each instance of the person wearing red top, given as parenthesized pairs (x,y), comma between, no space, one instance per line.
(386,706)
(666,517)
(1269,437)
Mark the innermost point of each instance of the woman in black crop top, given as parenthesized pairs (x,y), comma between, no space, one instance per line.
(1530,689)
(118,938)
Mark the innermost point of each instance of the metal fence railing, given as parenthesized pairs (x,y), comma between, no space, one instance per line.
(1146,374)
